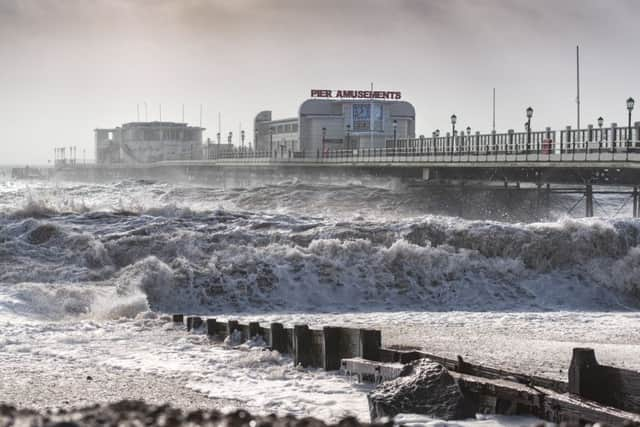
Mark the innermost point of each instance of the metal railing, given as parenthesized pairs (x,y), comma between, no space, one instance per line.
(613,144)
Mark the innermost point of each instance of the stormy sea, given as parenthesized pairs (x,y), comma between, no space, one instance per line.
(89,271)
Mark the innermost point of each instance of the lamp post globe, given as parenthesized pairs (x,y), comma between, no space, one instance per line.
(630,104)
(600,122)
(529,112)
(454,119)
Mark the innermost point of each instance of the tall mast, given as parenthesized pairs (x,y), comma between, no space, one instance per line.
(578,84)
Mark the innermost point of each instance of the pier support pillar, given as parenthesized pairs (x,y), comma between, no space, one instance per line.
(636,202)
(589,201)
(426,174)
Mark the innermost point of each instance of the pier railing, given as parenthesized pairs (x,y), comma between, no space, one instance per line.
(613,144)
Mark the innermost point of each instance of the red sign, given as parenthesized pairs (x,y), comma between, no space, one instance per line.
(355,94)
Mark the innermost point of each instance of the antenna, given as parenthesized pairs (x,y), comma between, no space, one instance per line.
(493,123)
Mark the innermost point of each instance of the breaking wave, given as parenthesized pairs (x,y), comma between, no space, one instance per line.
(173,258)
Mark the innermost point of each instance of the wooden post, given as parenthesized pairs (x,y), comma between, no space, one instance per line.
(370,343)
(178,318)
(211,327)
(189,323)
(196,322)
(232,325)
(331,356)
(254,329)
(584,375)
(302,346)
(278,339)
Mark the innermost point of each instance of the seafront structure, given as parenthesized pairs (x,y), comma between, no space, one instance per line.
(355,120)
(147,142)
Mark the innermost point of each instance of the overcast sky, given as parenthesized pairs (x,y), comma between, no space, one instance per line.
(69,66)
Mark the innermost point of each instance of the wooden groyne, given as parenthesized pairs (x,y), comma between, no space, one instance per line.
(593,393)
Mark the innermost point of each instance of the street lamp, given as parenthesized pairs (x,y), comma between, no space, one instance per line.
(271,141)
(324,135)
(529,115)
(454,119)
(395,129)
(255,140)
(600,123)
(348,136)
(630,104)
(435,146)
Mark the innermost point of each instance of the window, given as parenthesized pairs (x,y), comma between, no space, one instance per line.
(367,117)
(361,117)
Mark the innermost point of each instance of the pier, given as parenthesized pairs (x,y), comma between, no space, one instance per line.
(545,159)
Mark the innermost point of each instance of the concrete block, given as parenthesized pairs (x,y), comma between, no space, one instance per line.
(370,343)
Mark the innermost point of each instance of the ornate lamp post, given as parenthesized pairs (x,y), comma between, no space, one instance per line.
(529,115)
(454,119)
(324,135)
(395,130)
(630,104)
(600,123)
(348,136)
(255,140)
(271,130)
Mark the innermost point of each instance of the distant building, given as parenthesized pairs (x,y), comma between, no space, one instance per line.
(347,124)
(146,142)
